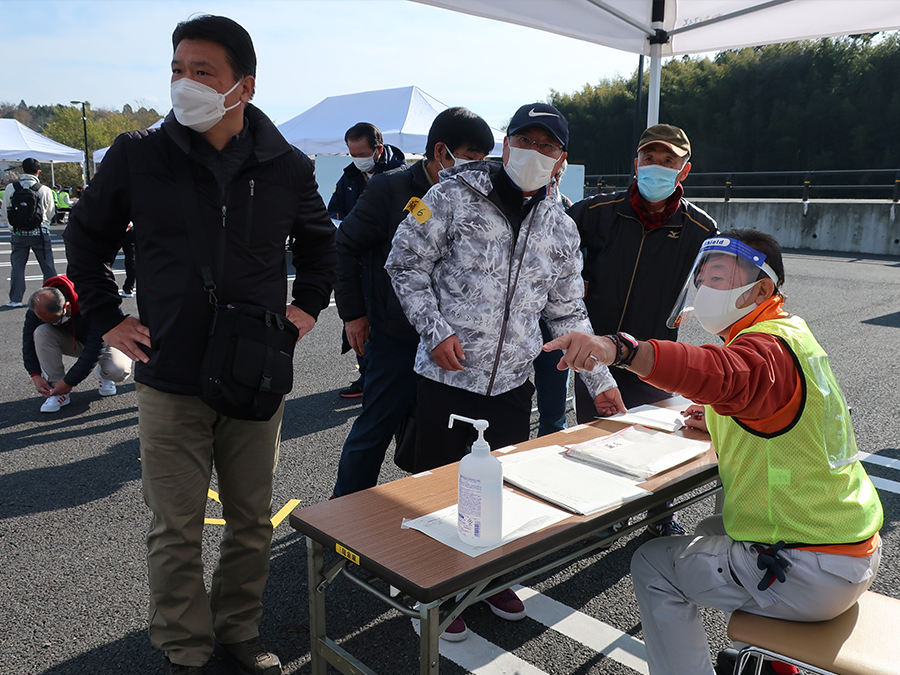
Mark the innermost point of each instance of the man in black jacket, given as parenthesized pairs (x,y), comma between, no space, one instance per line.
(640,244)
(253,191)
(370,157)
(381,330)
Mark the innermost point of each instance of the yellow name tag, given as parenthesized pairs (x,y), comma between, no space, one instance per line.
(418,209)
(348,554)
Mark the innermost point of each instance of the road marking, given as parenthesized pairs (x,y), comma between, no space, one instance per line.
(482,657)
(276,519)
(887,485)
(285,510)
(580,627)
(889,462)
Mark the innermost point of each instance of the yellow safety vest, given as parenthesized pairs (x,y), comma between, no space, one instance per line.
(803,484)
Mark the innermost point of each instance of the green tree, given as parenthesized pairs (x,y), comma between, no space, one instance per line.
(825,104)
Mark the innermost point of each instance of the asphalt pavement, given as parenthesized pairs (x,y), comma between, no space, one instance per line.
(73,580)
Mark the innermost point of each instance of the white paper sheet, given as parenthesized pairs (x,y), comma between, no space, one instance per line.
(638,452)
(581,488)
(521,516)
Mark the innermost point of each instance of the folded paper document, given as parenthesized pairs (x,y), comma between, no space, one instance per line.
(638,452)
(578,487)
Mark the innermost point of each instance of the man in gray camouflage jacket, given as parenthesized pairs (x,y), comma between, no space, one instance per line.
(477,262)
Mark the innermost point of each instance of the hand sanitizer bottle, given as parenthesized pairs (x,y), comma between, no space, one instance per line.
(480,496)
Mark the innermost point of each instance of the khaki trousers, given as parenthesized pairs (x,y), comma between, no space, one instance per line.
(182,439)
(53,342)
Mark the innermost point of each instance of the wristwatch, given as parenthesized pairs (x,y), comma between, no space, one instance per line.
(626,348)
(631,345)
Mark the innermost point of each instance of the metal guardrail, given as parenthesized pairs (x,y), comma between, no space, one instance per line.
(872,183)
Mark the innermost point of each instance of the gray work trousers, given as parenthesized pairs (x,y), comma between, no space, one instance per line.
(18,259)
(673,576)
(182,439)
(53,342)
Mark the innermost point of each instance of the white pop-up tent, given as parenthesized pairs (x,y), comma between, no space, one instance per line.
(664,28)
(404,116)
(18,142)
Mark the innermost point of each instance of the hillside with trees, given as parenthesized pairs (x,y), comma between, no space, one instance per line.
(63,124)
(814,105)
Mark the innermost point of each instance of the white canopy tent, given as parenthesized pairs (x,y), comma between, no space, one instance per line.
(18,142)
(661,28)
(404,116)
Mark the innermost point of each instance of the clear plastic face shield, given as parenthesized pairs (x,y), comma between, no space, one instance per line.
(720,289)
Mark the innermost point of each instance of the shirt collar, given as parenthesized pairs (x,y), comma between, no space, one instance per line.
(770,309)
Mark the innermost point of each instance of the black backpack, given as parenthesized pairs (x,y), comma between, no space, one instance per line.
(25,211)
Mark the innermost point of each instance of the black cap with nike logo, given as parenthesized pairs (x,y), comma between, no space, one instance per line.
(541,115)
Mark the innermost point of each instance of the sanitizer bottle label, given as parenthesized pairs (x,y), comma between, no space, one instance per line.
(469,507)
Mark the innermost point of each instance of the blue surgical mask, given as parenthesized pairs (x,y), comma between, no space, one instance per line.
(656,182)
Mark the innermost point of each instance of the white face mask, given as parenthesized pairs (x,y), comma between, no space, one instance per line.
(365,164)
(717,310)
(198,106)
(529,169)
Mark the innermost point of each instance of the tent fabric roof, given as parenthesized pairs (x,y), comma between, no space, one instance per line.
(18,142)
(693,25)
(404,116)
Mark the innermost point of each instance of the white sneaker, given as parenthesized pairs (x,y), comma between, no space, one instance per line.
(107,387)
(54,403)
(14,304)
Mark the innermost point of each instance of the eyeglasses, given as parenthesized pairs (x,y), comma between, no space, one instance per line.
(549,149)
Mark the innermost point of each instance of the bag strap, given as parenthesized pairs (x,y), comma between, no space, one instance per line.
(193,223)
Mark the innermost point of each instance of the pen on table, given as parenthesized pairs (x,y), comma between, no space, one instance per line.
(696,414)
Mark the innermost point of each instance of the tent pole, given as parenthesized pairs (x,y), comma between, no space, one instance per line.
(657,40)
(653,94)
(52,175)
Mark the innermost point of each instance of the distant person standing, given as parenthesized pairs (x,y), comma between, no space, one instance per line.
(370,157)
(29,208)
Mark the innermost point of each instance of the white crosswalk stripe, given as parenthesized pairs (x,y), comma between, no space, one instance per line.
(888,462)
(585,629)
(482,657)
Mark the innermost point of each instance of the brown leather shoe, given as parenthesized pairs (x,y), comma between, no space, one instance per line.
(250,656)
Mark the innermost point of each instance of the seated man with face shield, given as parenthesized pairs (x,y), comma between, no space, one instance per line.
(798,537)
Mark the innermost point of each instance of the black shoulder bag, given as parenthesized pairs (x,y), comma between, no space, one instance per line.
(248,366)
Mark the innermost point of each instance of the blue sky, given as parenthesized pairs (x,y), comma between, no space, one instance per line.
(112,52)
